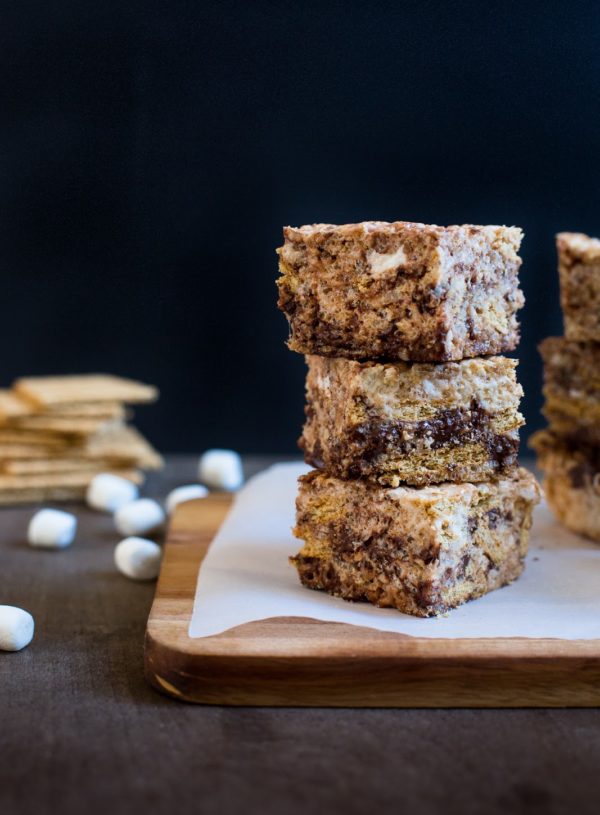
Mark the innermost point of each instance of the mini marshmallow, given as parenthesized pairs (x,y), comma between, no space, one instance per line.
(110,492)
(16,628)
(186,493)
(138,558)
(139,517)
(221,469)
(52,529)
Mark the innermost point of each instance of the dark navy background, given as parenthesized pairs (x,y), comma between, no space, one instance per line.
(150,153)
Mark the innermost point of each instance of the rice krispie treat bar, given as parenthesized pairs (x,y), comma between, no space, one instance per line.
(412,423)
(579,272)
(407,291)
(572,388)
(422,551)
(572,481)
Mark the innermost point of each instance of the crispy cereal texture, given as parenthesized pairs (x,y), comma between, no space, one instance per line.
(401,291)
(412,423)
(421,551)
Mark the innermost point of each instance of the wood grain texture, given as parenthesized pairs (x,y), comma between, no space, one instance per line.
(303,662)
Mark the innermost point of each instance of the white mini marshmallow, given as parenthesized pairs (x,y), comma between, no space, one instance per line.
(189,492)
(139,517)
(52,529)
(16,628)
(110,492)
(221,469)
(138,558)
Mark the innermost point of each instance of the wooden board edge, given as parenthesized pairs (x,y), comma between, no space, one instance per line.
(419,674)
(404,682)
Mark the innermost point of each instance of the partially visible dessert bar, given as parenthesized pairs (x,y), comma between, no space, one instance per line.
(401,291)
(572,388)
(422,551)
(412,423)
(579,273)
(571,481)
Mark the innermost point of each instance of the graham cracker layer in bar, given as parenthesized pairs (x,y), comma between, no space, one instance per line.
(401,291)
(422,551)
(572,388)
(412,423)
(571,481)
(579,273)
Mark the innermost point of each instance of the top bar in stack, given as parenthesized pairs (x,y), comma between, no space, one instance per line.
(579,273)
(401,291)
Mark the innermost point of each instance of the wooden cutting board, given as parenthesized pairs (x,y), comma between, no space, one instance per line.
(301,662)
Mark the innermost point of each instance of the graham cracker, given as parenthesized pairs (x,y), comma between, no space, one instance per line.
(36,466)
(41,495)
(46,391)
(27,451)
(12,435)
(11,405)
(43,480)
(88,410)
(67,425)
(123,444)
(120,445)
(66,487)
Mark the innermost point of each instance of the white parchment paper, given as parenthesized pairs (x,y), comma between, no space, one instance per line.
(246,576)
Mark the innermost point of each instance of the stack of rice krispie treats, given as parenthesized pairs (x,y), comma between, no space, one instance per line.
(416,500)
(569,450)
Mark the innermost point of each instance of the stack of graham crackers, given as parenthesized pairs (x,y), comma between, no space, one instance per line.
(58,432)
(569,449)
(416,500)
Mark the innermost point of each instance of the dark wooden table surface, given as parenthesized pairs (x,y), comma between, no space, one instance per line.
(81,732)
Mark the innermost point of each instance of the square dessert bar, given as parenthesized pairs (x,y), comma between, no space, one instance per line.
(572,481)
(412,423)
(378,290)
(579,274)
(422,551)
(572,388)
